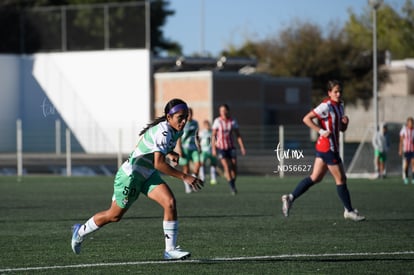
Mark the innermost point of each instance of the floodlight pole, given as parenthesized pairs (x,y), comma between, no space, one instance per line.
(375,4)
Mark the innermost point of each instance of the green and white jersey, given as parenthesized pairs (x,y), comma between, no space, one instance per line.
(205,140)
(159,138)
(189,138)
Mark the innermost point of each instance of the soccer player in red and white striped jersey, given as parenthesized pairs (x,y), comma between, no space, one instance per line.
(223,145)
(406,148)
(330,114)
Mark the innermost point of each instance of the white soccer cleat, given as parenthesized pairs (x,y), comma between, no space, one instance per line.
(176,254)
(286,205)
(76,239)
(353,215)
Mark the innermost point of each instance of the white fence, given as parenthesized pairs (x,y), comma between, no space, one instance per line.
(271,150)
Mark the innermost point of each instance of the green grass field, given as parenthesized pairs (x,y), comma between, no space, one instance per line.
(243,234)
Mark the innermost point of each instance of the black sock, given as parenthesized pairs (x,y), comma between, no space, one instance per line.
(343,194)
(232,184)
(302,187)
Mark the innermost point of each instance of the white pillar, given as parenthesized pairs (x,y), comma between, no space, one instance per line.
(68,154)
(19,147)
(58,137)
(282,148)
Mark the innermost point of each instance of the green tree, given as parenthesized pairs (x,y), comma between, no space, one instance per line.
(394,29)
(302,50)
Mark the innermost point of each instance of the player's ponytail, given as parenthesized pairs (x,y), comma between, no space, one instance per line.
(170,108)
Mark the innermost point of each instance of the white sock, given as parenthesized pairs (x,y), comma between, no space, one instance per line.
(213,172)
(89,227)
(201,173)
(188,188)
(170,234)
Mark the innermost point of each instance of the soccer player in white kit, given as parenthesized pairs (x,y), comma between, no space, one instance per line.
(188,148)
(141,174)
(206,154)
(330,114)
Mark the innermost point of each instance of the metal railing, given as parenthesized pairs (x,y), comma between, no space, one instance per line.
(271,150)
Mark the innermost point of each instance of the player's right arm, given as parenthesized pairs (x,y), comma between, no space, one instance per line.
(308,120)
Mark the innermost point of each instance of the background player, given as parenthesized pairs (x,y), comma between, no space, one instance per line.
(330,114)
(223,146)
(380,142)
(141,174)
(406,148)
(188,148)
(206,155)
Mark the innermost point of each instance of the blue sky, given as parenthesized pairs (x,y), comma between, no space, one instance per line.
(212,25)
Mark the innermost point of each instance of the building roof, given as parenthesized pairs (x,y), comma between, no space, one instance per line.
(405,63)
(174,64)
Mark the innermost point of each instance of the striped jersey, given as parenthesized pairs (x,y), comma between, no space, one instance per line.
(224,132)
(408,138)
(189,137)
(159,138)
(329,114)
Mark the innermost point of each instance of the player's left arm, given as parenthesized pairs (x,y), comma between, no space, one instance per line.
(240,141)
(162,165)
(344,123)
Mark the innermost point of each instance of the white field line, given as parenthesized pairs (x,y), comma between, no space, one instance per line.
(283,256)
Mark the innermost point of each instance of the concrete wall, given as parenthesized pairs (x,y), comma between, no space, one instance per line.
(398,82)
(254,99)
(103,96)
(98,95)
(395,102)
(195,88)
(391,109)
(21,97)
(9,101)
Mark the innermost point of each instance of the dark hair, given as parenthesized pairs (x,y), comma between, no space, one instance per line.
(225,106)
(167,108)
(333,83)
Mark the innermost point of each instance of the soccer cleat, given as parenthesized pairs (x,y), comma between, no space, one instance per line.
(286,205)
(353,215)
(76,239)
(213,182)
(176,254)
(405,180)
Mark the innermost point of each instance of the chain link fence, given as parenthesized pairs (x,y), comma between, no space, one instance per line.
(85,27)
